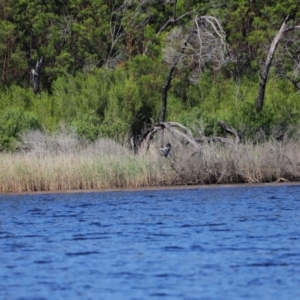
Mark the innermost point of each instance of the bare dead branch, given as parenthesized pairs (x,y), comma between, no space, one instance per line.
(203,43)
(174,20)
(292,28)
(169,79)
(188,132)
(206,46)
(34,71)
(206,139)
(120,22)
(144,141)
(230,130)
(264,76)
(190,139)
(294,82)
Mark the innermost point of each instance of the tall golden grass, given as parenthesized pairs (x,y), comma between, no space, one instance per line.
(106,164)
(24,173)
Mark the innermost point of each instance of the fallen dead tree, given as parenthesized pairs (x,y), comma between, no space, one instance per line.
(216,159)
(187,156)
(217,139)
(183,137)
(181,134)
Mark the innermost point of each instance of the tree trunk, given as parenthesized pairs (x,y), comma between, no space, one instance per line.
(165,89)
(34,71)
(264,77)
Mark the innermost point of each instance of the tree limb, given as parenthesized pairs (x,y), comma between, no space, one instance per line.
(173,20)
(216,139)
(34,71)
(268,63)
(144,141)
(169,79)
(230,130)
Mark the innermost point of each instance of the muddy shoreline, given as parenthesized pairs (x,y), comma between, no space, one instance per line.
(156,188)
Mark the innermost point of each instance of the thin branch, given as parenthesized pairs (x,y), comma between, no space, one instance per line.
(169,79)
(292,28)
(176,124)
(216,139)
(144,142)
(117,29)
(230,130)
(294,82)
(173,20)
(189,139)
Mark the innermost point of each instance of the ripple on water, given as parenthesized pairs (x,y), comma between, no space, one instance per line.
(222,243)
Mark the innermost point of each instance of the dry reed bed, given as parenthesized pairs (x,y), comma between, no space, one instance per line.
(23,173)
(91,169)
(266,162)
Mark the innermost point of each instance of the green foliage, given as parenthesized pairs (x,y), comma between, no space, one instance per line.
(14,121)
(117,130)
(87,126)
(103,71)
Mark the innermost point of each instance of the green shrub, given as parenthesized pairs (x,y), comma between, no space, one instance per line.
(87,125)
(13,122)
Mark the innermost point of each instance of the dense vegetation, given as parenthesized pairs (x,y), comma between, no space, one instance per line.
(105,63)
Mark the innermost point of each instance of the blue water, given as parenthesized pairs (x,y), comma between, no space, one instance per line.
(209,243)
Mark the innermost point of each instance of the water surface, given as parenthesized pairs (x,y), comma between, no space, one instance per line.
(216,243)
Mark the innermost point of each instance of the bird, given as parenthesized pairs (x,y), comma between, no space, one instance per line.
(166,150)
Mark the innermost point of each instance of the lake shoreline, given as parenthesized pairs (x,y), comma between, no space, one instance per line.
(154,188)
(105,168)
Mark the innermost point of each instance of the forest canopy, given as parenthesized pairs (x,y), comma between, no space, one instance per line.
(101,66)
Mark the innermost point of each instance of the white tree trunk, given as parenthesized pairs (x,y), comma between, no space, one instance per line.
(264,77)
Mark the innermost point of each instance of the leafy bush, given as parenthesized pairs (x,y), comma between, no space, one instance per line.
(14,121)
(87,125)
